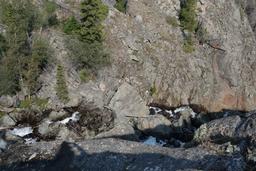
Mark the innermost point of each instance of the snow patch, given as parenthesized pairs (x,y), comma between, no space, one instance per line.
(181,109)
(155,109)
(3,144)
(21,132)
(74,118)
(30,140)
(153,141)
(169,112)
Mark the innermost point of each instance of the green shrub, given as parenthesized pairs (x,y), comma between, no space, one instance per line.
(71,26)
(3,46)
(84,75)
(61,87)
(53,20)
(48,16)
(188,18)
(153,90)
(121,5)
(172,21)
(49,6)
(188,45)
(89,56)
(1,114)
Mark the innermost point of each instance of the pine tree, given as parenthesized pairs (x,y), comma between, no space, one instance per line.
(93,12)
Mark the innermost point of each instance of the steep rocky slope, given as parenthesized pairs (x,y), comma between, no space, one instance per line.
(147,53)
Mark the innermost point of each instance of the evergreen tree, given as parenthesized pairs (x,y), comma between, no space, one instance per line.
(17,57)
(93,12)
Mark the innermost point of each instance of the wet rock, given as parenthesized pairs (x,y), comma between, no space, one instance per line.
(128,102)
(114,154)
(219,130)
(55,116)
(156,125)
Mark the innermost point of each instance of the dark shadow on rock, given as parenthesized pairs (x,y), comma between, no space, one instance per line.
(72,157)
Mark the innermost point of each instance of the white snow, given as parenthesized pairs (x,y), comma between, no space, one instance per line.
(169,112)
(156,109)
(3,144)
(21,131)
(152,141)
(193,114)
(30,140)
(180,109)
(74,118)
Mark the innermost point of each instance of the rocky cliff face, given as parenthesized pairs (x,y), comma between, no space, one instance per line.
(147,53)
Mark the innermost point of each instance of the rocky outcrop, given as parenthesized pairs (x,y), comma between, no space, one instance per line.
(224,129)
(128,103)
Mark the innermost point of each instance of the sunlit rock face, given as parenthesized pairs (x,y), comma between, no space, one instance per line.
(147,52)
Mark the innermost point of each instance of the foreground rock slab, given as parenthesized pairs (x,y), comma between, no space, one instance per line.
(113,154)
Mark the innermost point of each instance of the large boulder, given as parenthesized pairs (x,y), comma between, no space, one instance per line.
(127,102)
(114,154)
(223,129)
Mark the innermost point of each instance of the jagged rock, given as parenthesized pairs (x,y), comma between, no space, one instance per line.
(219,130)
(114,154)
(127,102)
(156,125)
